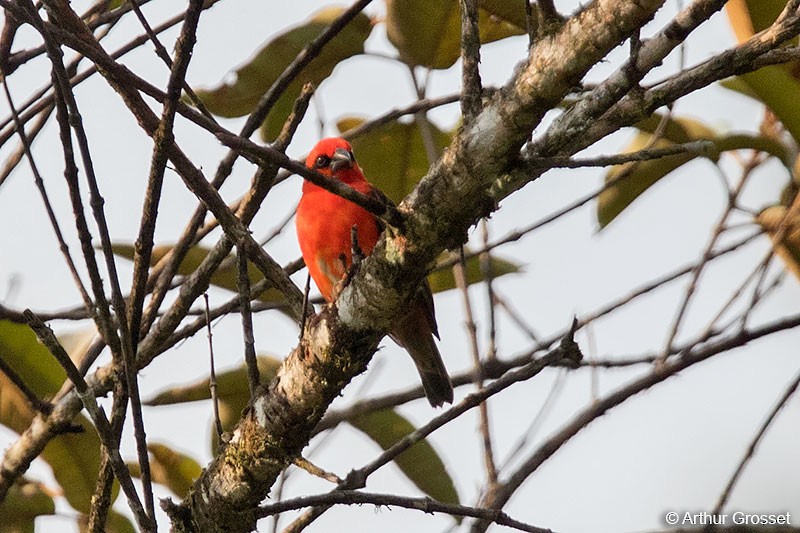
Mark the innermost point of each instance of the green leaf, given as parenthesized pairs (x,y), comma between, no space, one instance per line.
(21,350)
(25,501)
(74,457)
(75,460)
(442,279)
(428,32)
(232,391)
(174,470)
(226,277)
(420,463)
(115,523)
(788,249)
(633,179)
(749,17)
(393,155)
(738,85)
(677,130)
(254,78)
(230,384)
(777,88)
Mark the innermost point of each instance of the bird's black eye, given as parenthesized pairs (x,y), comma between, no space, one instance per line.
(322,161)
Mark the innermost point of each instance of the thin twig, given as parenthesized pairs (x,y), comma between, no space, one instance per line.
(420,105)
(10,163)
(487,271)
(243,284)
(34,401)
(278,496)
(144,242)
(48,338)
(538,420)
(516,317)
(698,148)
(212,373)
(751,448)
(280,85)
(306,290)
(459,273)
(426,505)
(314,470)
(695,352)
(733,196)
(759,290)
(61,81)
(264,155)
(101,498)
(357,478)
(421,118)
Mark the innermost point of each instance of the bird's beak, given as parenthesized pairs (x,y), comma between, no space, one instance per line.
(341,159)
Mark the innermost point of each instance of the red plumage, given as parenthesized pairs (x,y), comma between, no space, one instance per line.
(324,221)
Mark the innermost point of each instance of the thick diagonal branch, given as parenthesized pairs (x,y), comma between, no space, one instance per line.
(455,194)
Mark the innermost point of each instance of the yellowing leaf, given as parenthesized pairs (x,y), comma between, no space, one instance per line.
(677,130)
(75,460)
(442,279)
(778,89)
(777,86)
(633,179)
(393,156)
(420,463)
(230,384)
(428,32)
(115,523)
(25,501)
(226,277)
(232,390)
(788,248)
(174,470)
(21,350)
(749,17)
(254,78)
(74,457)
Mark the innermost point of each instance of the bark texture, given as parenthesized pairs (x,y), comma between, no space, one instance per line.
(454,195)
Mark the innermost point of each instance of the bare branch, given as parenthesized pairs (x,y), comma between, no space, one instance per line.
(48,338)
(470,59)
(426,505)
(694,353)
(751,449)
(243,282)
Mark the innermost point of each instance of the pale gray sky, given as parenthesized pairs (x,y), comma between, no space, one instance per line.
(671,448)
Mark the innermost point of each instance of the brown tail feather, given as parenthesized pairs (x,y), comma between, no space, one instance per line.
(413,332)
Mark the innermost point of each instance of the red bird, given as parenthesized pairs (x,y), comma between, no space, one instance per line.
(324,223)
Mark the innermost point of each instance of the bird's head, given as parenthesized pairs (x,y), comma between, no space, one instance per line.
(333,157)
